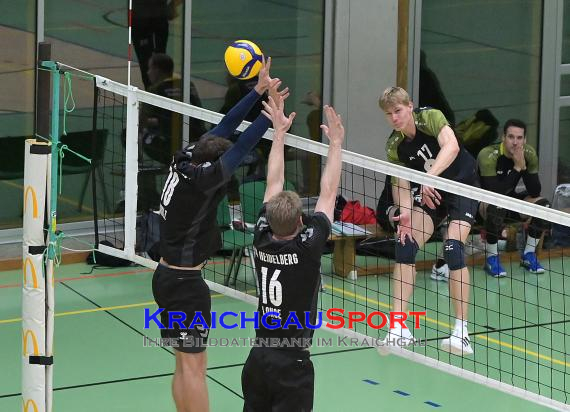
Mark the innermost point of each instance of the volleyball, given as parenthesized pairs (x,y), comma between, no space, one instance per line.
(243,59)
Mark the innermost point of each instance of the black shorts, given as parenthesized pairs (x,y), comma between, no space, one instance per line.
(182,291)
(278,380)
(454,207)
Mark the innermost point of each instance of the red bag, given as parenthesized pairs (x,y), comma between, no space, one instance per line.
(354,212)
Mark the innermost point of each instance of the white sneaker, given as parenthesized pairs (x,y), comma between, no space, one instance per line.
(441,273)
(397,338)
(458,343)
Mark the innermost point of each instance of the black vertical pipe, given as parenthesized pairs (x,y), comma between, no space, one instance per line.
(93,157)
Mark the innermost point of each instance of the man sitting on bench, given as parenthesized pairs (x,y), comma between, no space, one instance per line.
(501,166)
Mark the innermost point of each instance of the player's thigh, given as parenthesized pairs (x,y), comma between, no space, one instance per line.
(254,383)
(422,225)
(295,384)
(184,297)
(458,230)
(461,213)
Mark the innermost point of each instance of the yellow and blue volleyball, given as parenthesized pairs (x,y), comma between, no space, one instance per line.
(243,59)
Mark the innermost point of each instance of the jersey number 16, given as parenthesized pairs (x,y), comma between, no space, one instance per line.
(274,290)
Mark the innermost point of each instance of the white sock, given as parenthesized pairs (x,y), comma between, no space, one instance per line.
(531,244)
(460,325)
(492,249)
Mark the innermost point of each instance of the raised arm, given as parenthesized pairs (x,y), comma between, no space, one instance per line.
(235,116)
(331,175)
(273,110)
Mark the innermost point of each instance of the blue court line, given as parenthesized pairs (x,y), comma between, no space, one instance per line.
(402,393)
(435,405)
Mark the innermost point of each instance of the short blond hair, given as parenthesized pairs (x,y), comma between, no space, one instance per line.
(393,96)
(283,212)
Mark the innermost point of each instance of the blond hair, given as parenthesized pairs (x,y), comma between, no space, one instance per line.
(283,212)
(393,96)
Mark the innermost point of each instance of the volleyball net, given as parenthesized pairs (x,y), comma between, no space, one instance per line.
(518,322)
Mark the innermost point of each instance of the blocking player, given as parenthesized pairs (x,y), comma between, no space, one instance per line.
(288,258)
(189,236)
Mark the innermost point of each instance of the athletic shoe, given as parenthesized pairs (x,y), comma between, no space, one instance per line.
(530,262)
(458,343)
(440,273)
(397,338)
(494,268)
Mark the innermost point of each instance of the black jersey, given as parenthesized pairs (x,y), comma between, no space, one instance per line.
(188,232)
(189,202)
(498,172)
(288,273)
(420,152)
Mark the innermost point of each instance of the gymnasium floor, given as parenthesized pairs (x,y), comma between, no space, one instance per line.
(101,364)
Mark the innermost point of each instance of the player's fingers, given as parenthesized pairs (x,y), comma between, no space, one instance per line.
(326,109)
(266,114)
(269,106)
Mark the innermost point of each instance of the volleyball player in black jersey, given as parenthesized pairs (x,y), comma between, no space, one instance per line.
(278,374)
(189,235)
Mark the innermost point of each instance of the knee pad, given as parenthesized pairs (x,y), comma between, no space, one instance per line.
(454,254)
(407,253)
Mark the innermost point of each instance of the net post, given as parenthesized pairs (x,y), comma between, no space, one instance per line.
(94,148)
(43,90)
(131,171)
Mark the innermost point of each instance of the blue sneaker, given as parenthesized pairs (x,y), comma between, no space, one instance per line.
(530,262)
(493,267)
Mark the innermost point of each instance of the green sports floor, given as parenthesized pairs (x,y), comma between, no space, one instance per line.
(101,363)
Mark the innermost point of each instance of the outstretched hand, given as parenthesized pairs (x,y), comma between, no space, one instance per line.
(273,109)
(334,131)
(274,91)
(264,80)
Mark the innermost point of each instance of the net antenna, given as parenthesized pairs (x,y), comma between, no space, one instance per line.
(130,47)
(39,253)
